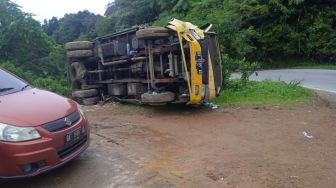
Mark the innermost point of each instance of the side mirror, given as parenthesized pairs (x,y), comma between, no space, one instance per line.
(206,27)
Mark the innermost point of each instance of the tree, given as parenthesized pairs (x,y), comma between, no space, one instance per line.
(50,26)
(21,37)
(79,26)
(121,14)
(29,52)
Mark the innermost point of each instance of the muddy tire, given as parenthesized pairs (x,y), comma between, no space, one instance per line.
(76,85)
(78,45)
(80,54)
(154,32)
(85,93)
(157,98)
(77,71)
(90,101)
(93,86)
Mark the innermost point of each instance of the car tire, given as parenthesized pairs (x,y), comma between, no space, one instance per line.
(80,54)
(154,32)
(85,93)
(78,45)
(90,101)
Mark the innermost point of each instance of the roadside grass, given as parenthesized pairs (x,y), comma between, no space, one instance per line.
(265,92)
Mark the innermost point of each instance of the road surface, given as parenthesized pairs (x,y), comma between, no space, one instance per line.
(317,79)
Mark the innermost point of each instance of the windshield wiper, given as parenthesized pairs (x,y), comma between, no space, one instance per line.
(24,87)
(5,89)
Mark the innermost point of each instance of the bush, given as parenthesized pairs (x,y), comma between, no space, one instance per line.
(60,86)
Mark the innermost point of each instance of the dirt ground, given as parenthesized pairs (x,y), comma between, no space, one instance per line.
(233,147)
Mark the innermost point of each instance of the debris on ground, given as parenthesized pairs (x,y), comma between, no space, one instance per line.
(211,105)
(294,177)
(306,135)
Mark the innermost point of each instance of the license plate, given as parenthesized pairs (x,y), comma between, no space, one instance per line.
(74,136)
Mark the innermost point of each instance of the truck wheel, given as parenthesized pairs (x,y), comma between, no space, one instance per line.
(157,98)
(78,45)
(90,101)
(85,93)
(79,53)
(91,86)
(154,32)
(77,71)
(76,85)
(72,74)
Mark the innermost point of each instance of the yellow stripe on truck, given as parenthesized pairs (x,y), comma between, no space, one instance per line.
(212,89)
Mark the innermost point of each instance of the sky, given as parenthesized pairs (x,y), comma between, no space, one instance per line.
(46,9)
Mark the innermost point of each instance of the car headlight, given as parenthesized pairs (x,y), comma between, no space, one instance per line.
(10,133)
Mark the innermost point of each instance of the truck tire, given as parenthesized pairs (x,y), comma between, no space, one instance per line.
(154,32)
(85,93)
(91,86)
(90,101)
(157,98)
(76,85)
(72,74)
(80,53)
(77,71)
(78,45)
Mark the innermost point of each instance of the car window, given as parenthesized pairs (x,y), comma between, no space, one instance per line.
(10,84)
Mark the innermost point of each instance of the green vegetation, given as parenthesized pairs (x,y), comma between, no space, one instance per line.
(249,31)
(253,29)
(262,93)
(79,26)
(26,50)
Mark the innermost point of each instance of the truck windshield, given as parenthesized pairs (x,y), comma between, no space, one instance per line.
(10,84)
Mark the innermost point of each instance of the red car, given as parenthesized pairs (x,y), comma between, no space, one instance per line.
(39,130)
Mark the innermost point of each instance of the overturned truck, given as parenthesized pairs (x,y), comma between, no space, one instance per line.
(179,63)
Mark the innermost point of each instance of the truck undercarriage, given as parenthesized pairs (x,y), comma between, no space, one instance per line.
(176,64)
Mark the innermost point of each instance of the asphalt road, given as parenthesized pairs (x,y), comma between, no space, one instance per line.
(317,79)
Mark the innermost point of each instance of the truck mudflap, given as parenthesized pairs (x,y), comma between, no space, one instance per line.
(203,82)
